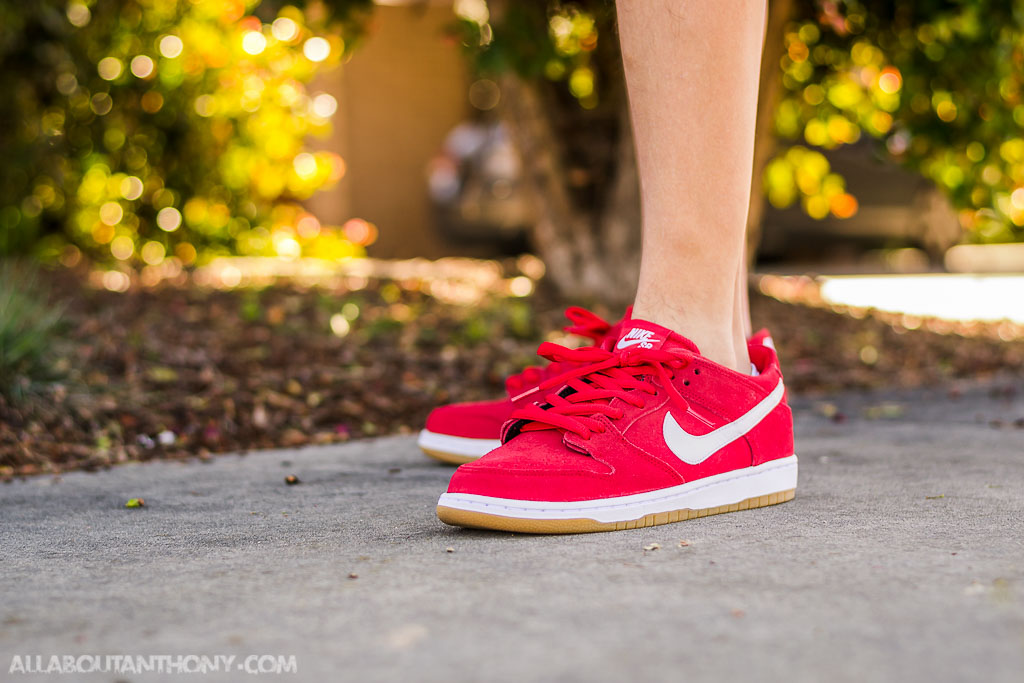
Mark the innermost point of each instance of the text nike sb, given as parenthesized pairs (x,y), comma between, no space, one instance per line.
(462,432)
(635,437)
(638,337)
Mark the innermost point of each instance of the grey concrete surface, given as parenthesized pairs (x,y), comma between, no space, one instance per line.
(901,559)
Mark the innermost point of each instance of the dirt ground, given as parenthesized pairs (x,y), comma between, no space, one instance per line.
(175,372)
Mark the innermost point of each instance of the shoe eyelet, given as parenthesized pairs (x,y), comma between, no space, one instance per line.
(686,383)
(696,371)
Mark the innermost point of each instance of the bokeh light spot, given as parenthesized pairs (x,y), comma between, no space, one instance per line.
(109,68)
(975,151)
(1017,198)
(359,231)
(78,14)
(111,213)
(324,105)
(142,66)
(171,46)
(284,29)
(869,355)
(287,246)
(168,219)
(316,49)
(101,104)
(817,206)
(186,252)
(946,110)
(253,42)
(520,286)
(581,82)
(890,80)
(152,102)
(66,83)
(308,226)
(122,247)
(340,325)
(230,276)
(102,233)
(350,310)
(153,253)
(205,105)
(305,165)
(843,205)
(116,281)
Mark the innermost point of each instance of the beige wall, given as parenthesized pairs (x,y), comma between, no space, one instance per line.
(402,91)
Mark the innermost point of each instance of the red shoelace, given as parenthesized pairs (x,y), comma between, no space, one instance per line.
(584,324)
(601,376)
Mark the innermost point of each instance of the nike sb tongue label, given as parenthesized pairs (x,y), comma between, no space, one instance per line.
(640,338)
(642,334)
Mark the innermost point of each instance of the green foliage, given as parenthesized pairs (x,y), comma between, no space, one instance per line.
(556,41)
(29,330)
(156,132)
(938,82)
(501,318)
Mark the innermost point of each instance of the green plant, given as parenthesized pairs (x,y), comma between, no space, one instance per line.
(29,331)
(153,132)
(939,83)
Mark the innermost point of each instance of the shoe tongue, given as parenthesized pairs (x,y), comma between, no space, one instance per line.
(641,334)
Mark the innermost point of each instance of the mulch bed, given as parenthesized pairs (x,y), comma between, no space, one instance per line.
(176,372)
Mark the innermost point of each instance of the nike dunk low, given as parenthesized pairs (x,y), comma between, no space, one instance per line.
(643,432)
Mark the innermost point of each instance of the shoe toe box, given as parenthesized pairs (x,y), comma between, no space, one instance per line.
(536,466)
(479,420)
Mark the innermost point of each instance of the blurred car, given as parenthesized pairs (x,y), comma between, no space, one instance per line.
(475,185)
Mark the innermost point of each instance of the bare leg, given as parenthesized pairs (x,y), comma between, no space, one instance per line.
(692,74)
(742,319)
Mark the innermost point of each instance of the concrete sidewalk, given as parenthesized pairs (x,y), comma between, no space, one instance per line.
(902,558)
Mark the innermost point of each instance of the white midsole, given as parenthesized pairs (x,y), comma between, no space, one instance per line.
(456,445)
(727,488)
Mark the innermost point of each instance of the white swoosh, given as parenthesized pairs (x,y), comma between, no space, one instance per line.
(630,342)
(693,449)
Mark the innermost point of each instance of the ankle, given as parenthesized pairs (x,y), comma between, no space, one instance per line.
(718,340)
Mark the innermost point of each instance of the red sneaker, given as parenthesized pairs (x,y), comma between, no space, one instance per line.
(647,433)
(462,432)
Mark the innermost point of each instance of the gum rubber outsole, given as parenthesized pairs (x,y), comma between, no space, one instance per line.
(450,458)
(482,520)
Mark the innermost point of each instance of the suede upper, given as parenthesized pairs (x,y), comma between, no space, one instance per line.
(483,419)
(625,445)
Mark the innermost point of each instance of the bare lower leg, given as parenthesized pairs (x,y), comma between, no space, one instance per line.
(741,321)
(692,73)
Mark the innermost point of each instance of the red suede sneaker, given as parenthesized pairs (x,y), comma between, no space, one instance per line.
(462,432)
(646,433)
